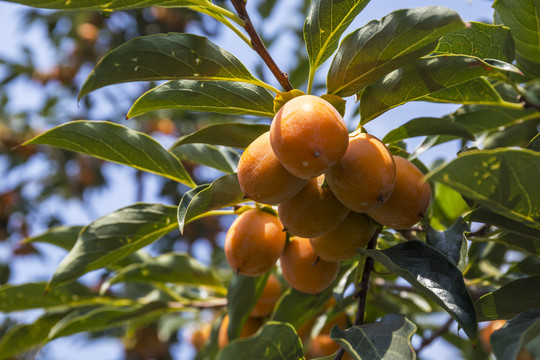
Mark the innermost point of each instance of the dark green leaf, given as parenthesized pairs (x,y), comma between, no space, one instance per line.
(510,299)
(515,334)
(116,143)
(167,57)
(484,215)
(503,180)
(430,272)
(451,242)
(480,40)
(526,244)
(212,96)
(173,268)
(523,17)
(380,47)
(275,340)
(223,192)
(113,237)
(388,339)
(528,266)
(62,236)
(218,157)
(478,91)
(324,25)
(229,134)
(481,118)
(426,76)
(535,143)
(244,291)
(428,126)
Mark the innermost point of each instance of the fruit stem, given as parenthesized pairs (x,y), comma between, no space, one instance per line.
(310,80)
(259,47)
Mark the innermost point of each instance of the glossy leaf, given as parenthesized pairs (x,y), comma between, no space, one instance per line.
(431,273)
(428,126)
(223,192)
(115,143)
(113,237)
(211,96)
(387,339)
(324,25)
(515,334)
(523,17)
(275,340)
(61,236)
(175,268)
(237,135)
(244,291)
(510,299)
(380,47)
(426,76)
(503,180)
(218,157)
(480,40)
(167,57)
(452,242)
(477,91)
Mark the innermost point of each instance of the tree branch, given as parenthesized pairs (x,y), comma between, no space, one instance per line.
(427,341)
(259,47)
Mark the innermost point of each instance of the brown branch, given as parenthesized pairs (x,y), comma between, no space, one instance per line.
(427,341)
(527,104)
(259,47)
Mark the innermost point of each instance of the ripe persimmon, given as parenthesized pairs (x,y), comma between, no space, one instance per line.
(341,242)
(254,242)
(303,269)
(262,177)
(308,136)
(313,211)
(250,327)
(269,297)
(365,176)
(410,198)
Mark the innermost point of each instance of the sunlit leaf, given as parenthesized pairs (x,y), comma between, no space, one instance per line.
(477,91)
(109,5)
(515,334)
(61,236)
(428,126)
(237,135)
(218,157)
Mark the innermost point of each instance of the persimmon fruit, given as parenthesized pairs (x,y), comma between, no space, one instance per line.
(250,327)
(269,297)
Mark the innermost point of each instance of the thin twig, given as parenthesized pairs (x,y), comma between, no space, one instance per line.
(427,341)
(527,104)
(259,47)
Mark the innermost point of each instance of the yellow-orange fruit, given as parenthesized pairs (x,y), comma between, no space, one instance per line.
(262,177)
(341,242)
(313,211)
(410,198)
(308,136)
(365,176)
(525,354)
(486,332)
(322,345)
(303,270)
(200,336)
(254,242)
(269,297)
(250,327)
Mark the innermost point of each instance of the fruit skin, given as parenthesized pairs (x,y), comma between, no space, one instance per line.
(250,327)
(254,242)
(313,211)
(261,176)
(308,135)
(341,242)
(410,198)
(303,271)
(365,176)
(200,336)
(269,297)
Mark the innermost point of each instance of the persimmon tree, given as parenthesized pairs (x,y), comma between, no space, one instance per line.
(473,255)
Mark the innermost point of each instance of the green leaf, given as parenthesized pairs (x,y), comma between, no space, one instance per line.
(61,236)
(388,339)
(519,242)
(220,158)
(223,192)
(244,291)
(528,266)
(484,215)
(477,91)
(503,180)
(324,25)
(447,206)
(237,135)
(275,340)
(430,272)
(428,126)
(452,242)
(116,143)
(510,299)
(535,143)
(108,5)
(113,237)
(380,47)
(515,334)
(426,76)
(212,96)
(523,17)
(167,57)
(173,268)
(480,40)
